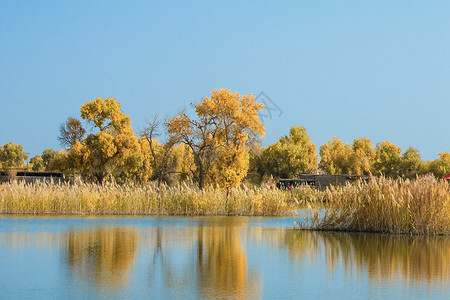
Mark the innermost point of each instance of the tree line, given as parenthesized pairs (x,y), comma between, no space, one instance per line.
(219,145)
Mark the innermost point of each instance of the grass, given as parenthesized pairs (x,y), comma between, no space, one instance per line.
(419,206)
(179,199)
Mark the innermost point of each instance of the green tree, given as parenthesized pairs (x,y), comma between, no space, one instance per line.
(292,154)
(440,167)
(47,156)
(411,164)
(12,156)
(37,163)
(387,160)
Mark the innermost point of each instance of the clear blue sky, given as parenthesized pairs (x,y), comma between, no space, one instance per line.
(349,69)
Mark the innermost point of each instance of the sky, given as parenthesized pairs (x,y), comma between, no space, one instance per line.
(351,69)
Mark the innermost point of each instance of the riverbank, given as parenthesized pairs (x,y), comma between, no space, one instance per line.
(420,206)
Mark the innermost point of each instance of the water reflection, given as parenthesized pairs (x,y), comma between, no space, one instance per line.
(212,259)
(382,257)
(219,257)
(104,255)
(222,262)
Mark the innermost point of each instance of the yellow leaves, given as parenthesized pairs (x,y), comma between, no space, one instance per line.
(100,111)
(340,158)
(106,144)
(230,166)
(181,124)
(219,136)
(114,148)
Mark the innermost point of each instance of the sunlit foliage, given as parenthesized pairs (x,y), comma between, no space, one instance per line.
(218,136)
(411,164)
(292,154)
(362,157)
(335,157)
(12,156)
(440,167)
(37,163)
(387,161)
(339,158)
(71,132)
(111,149)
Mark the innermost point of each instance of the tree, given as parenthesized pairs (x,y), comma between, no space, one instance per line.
(47,156)
(58,162)
(37,163)
(71,132)
(111,149)
(411,163)
(218,137)
(163,162)
(387,159)
(12,156)
(340,158)
(363,156)
(335,157)
(440,167)
(292,154)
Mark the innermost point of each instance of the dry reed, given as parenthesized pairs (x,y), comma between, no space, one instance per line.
(420,206)
(180,199)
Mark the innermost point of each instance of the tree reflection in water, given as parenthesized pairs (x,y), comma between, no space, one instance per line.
(214,259)
(384,257)
(104,255)
(209,258)
(222,262)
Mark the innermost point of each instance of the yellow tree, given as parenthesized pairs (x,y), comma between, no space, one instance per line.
(335,157)
(160,154)
(112,148)
(218,137)
(363,156)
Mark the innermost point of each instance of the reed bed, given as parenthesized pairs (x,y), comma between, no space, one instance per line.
(420,206)
(150,199)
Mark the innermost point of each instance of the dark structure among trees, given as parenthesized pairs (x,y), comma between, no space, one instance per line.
(318,180)
(31,177)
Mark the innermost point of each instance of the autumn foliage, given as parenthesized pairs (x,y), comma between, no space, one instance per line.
(218,136)
(217,145)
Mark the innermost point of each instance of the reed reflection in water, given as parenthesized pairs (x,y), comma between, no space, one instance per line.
(383,257)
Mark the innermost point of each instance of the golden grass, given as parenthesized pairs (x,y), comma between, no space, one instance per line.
(180,199)
(419,206)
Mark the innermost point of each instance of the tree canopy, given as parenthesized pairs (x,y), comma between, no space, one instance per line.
(12,156)
(218,136)
(110,148)
(292,154)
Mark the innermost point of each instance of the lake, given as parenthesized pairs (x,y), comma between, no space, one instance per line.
(212,257)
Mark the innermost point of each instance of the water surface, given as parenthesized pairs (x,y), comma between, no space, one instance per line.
(210,258)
